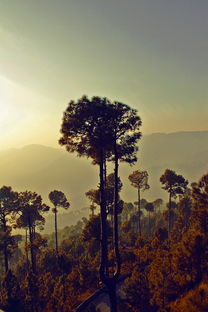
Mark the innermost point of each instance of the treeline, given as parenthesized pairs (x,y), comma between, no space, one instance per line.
(164,246)
(169,268)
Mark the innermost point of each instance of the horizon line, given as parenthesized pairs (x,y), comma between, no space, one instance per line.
(143,135)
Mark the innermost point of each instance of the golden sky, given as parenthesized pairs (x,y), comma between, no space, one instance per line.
(150,54)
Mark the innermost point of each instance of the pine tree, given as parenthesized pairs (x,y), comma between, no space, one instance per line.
(174,184)
(58,199)
(139,180)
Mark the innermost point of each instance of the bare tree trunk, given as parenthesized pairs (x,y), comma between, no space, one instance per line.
(169,214)
(103,221)
(31,246)
(112,220)
(104,276)
(139,211)
(104,171)
(34,237)
(6,261)
(26,249)
(56,230)
(34,232)
(116,239)
(111,285)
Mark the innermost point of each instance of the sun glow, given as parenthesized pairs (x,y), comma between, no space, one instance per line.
(11,112)
(8,115)
(25,117)
(8,110)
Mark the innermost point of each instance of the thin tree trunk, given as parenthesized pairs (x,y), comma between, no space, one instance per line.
(139,211)
(104,171)
(103,221)
(112,281)
(26,249)
(116,239)
(31,246)
(56,230)
(111,219)
(6,261)
(34,237)
(34,232)
(169,215)
(109,282)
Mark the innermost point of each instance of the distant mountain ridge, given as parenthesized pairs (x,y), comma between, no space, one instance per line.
(42,169)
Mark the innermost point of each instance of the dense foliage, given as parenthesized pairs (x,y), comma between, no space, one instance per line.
(167,274)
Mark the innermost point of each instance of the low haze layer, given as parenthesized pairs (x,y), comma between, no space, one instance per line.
(43,169)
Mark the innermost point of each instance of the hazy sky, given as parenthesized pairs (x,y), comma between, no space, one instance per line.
(150,54)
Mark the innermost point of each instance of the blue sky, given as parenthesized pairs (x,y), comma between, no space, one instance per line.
(150,54)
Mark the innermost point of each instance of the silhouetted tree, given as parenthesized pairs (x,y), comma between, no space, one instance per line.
(84,131)
(128,209)
(139,180)
(94,194)
(150,208)
(158,204)
(110,190)
(125,125)
(126,132)
(58,199)
(8,200)
(200,204)
(143,203)
(30,209)
(175,184)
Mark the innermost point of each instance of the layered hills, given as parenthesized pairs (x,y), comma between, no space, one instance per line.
(43,169)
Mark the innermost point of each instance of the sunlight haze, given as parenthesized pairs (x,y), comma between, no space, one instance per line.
(149,54)
(103,155)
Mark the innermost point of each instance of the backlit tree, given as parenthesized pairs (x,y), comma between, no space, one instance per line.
(103,130)
(31,208)
(58,199)
(139,180)
(174,184)
(8,202)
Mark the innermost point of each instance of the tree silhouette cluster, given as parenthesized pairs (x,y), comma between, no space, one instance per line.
(84,131)
(161,246)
